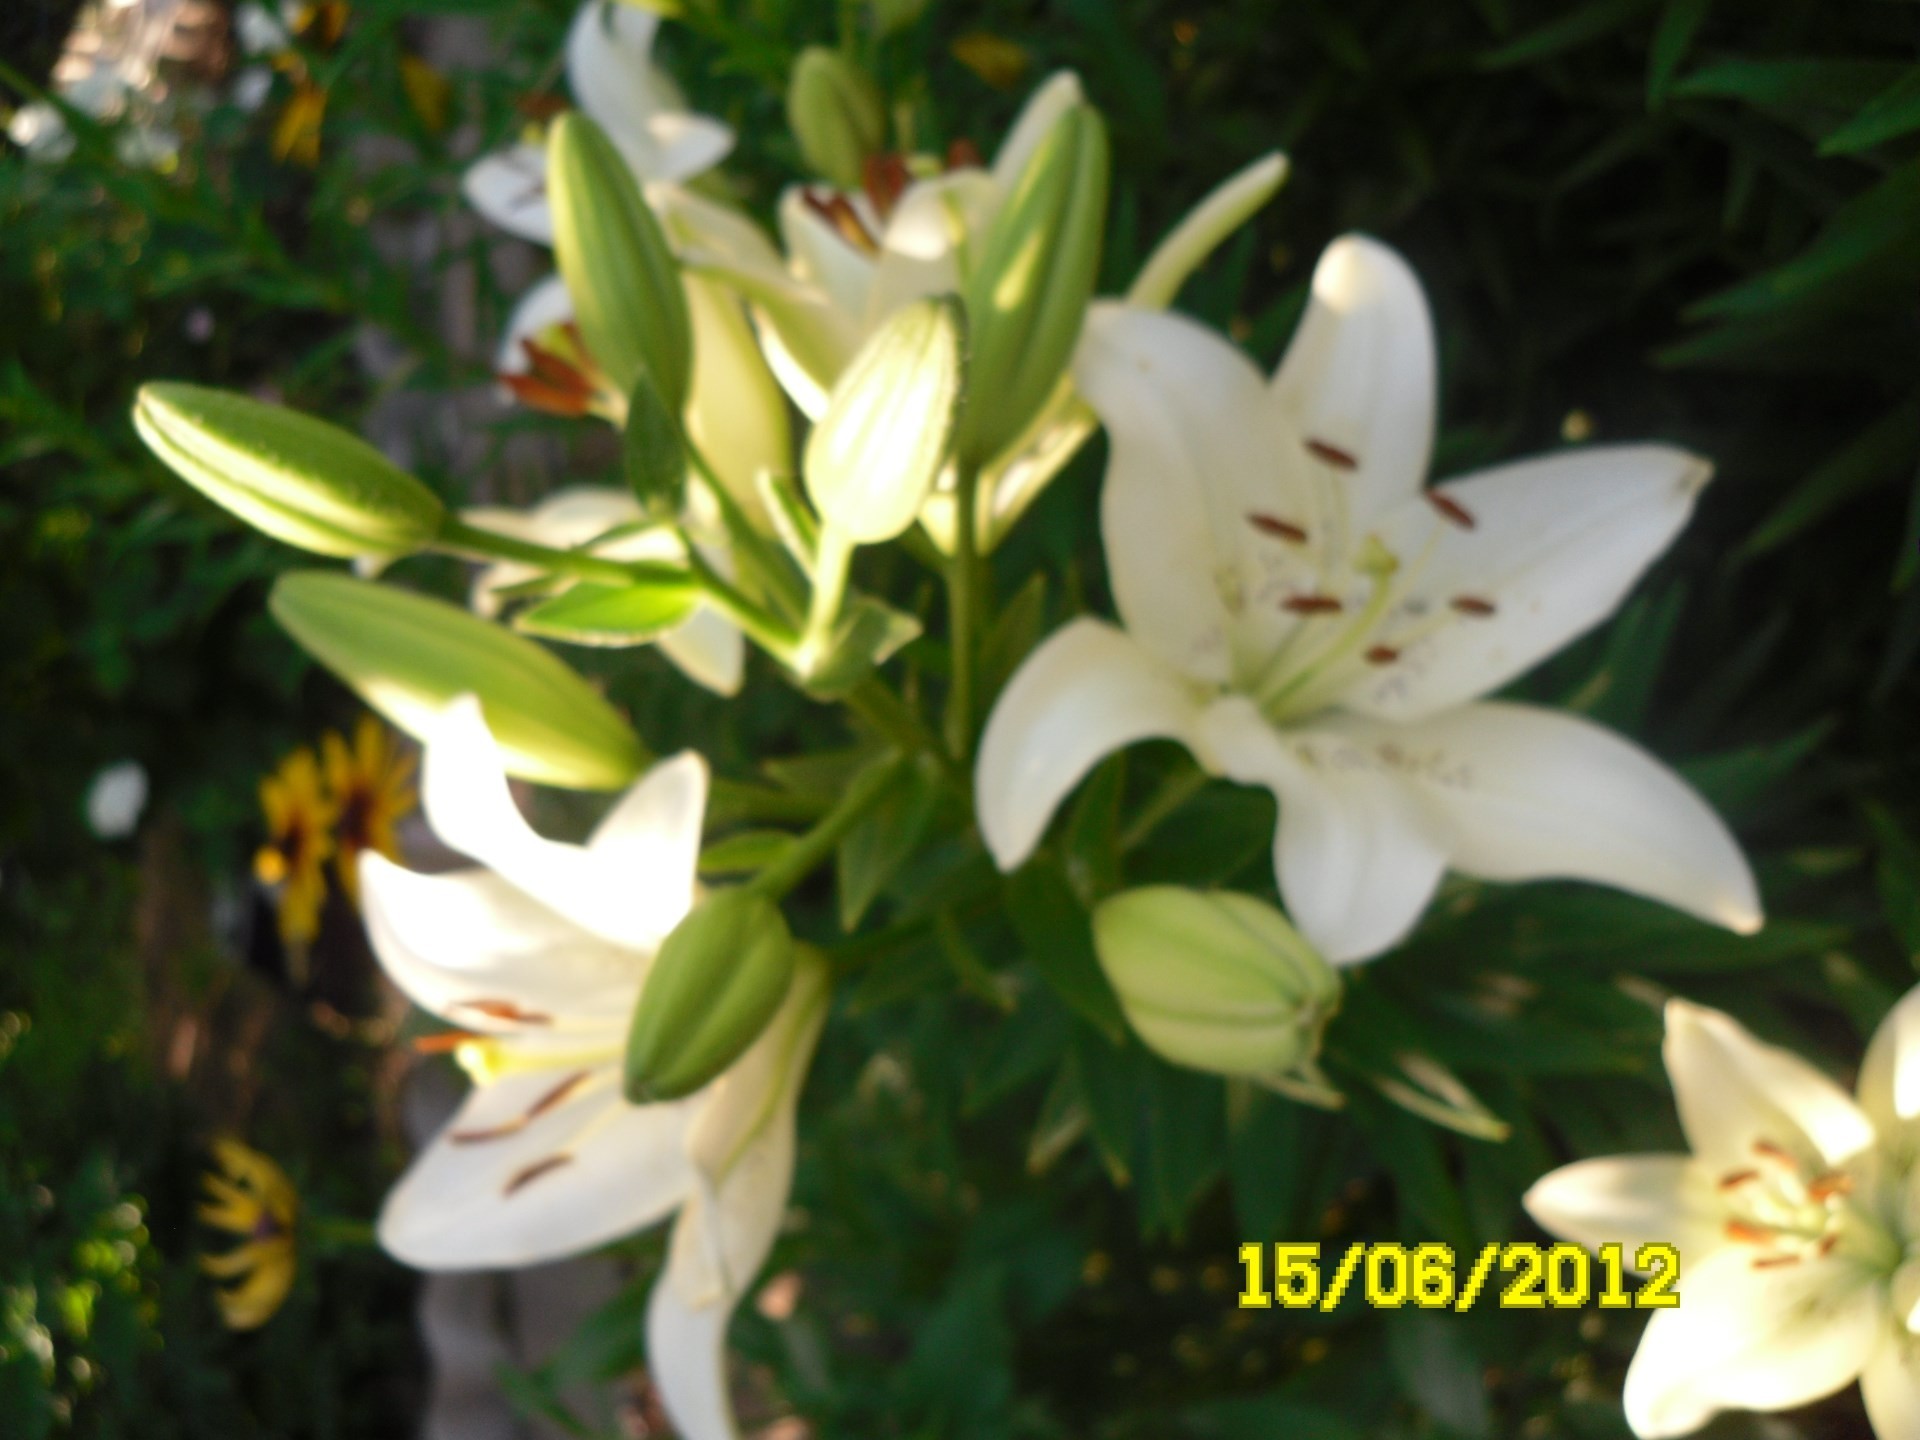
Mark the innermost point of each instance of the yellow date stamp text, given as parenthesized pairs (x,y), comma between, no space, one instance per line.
(1430,1276)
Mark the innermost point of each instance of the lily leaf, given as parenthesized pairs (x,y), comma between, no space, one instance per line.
(611,615)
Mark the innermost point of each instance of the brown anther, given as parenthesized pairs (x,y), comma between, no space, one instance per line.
(507,1010)
(1451,509)
(1279,529)
(1830,1184)
(1382,655)
(554,1096)
(444,1043)
(838,212)
(491,1132)
(1774,1262)
(1749,1234)
(540,107)
(1734,1179)
(528,1174)
(1333,455)
(1473,605)
(1311,605)
(1777,1154)
(884,178)
(543,364)
(963,154)
(537,394)
(558,1094)
(1827,1244)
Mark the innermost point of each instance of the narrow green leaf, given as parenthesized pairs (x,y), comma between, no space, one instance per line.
(1884,449)
(1679,22)
(1894,112)
(870,632)
(872,853)
(1897,875)
(653,452)
(747,851)
(1058,936)
(1582,27)
(612,615)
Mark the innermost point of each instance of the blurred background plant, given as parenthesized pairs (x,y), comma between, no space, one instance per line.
(1636,218)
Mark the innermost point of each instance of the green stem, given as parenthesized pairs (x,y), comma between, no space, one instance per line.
(334,1232)
(869,787)
(832,557)
(751,549)
(471,542)
(895,720)
(1174,791)
(769,632)
(963,584)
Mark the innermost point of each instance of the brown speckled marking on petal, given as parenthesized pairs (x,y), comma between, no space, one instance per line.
(1474,606)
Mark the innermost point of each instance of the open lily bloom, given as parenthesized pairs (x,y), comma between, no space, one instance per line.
(852,258)
(707,647)
(538,957)
(1794,1215)
(1304,615)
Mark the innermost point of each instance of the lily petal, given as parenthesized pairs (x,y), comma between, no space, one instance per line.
(1358,379)
(611,72)
(1757,1339)
(1190,481)
(1550,546)
(1060,92)
(1223,210)
(1530,794)
(509,189)
(1085,692)
(1357,855)
(464,793)
(537,1177)
(1631,1199)
(1889,1084)
(736,413)
(1732,1090)
(1890,1385)
(545,305)
(687,1358)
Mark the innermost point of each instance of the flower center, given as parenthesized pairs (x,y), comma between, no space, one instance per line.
(1789,1212)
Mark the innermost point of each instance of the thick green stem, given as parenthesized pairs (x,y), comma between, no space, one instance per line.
(769,632)
(752,550)
(869,787)
(895,720)
(471,542)
(832,557)
(1175,791)
(963,603)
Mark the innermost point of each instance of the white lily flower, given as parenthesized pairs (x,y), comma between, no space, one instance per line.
(706,646)
(1303,615)
(538,956)
(1794,1217)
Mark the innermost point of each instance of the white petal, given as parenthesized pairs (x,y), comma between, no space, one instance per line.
(824,257)
(1060,92)
(509,189)
(1085,692)
(1732,1091)
(680,146)
(1632,1200)
(1532,794)
(1192,442)
(545,305)
(464,793)
(498,1202)
(736,413)
(925,236)
(1357,854)
(1891,1387)
(709,650)
(1224,209)
(452,940)
(1889,1084)
(1766,1339)
(687,1359)
(1555,545)
(610,69)
(1359,375)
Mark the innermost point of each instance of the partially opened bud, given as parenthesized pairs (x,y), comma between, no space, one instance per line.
(296,478)
(715,984)
(836,114)
(1214,980)
(874,455)
(625,287)
(1028,294)
(409,655)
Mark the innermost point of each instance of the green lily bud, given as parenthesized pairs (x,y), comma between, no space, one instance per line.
(1213,980)
(1028,294)
(717,981)
(298,479)
(408,655)
(626,289)
(836,114)
(874,455)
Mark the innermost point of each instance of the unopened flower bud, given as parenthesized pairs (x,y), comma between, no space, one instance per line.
(1028,294)
(836,114)
(877,450)
(408,656)
(625,286)
(717,981)
(296,478)
(1215,980)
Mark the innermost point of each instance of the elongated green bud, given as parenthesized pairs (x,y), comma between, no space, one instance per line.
(874,454)
(296,478)
(1028,294)
(625,286)
(836,114)
(408,655)
(1213,980)
(715,984)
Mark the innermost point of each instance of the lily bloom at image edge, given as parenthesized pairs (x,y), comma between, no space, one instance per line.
(536,956)
(1302,613)
(1794,1215)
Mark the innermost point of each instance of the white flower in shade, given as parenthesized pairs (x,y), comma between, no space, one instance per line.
(115,799)
(1797,1220)
(538,957)
(1302,614)
(707,647)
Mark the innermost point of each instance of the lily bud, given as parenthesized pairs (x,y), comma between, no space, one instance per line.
(408,656)
(717,981)
(625,286)
(1214,980)
(296,478)
(1028,294)
(873,457)
(836,114)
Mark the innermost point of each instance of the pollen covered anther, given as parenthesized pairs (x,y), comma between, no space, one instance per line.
(1474,606)
(1279,529)
(506,1010)
(1382,655)
(1333,455)
(838,212)
(1312,605)
(1451,509)
(526,1175)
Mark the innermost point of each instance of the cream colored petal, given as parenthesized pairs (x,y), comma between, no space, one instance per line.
(1890,1385)
(545,305)
(1223,210)
(736,413)
(1889,1084)
(612,74)
(1633,1200)
(509,189)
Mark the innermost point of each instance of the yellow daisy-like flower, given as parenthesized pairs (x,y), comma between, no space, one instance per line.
(371,789)
(299,820)
(296,133)
(251,1197)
